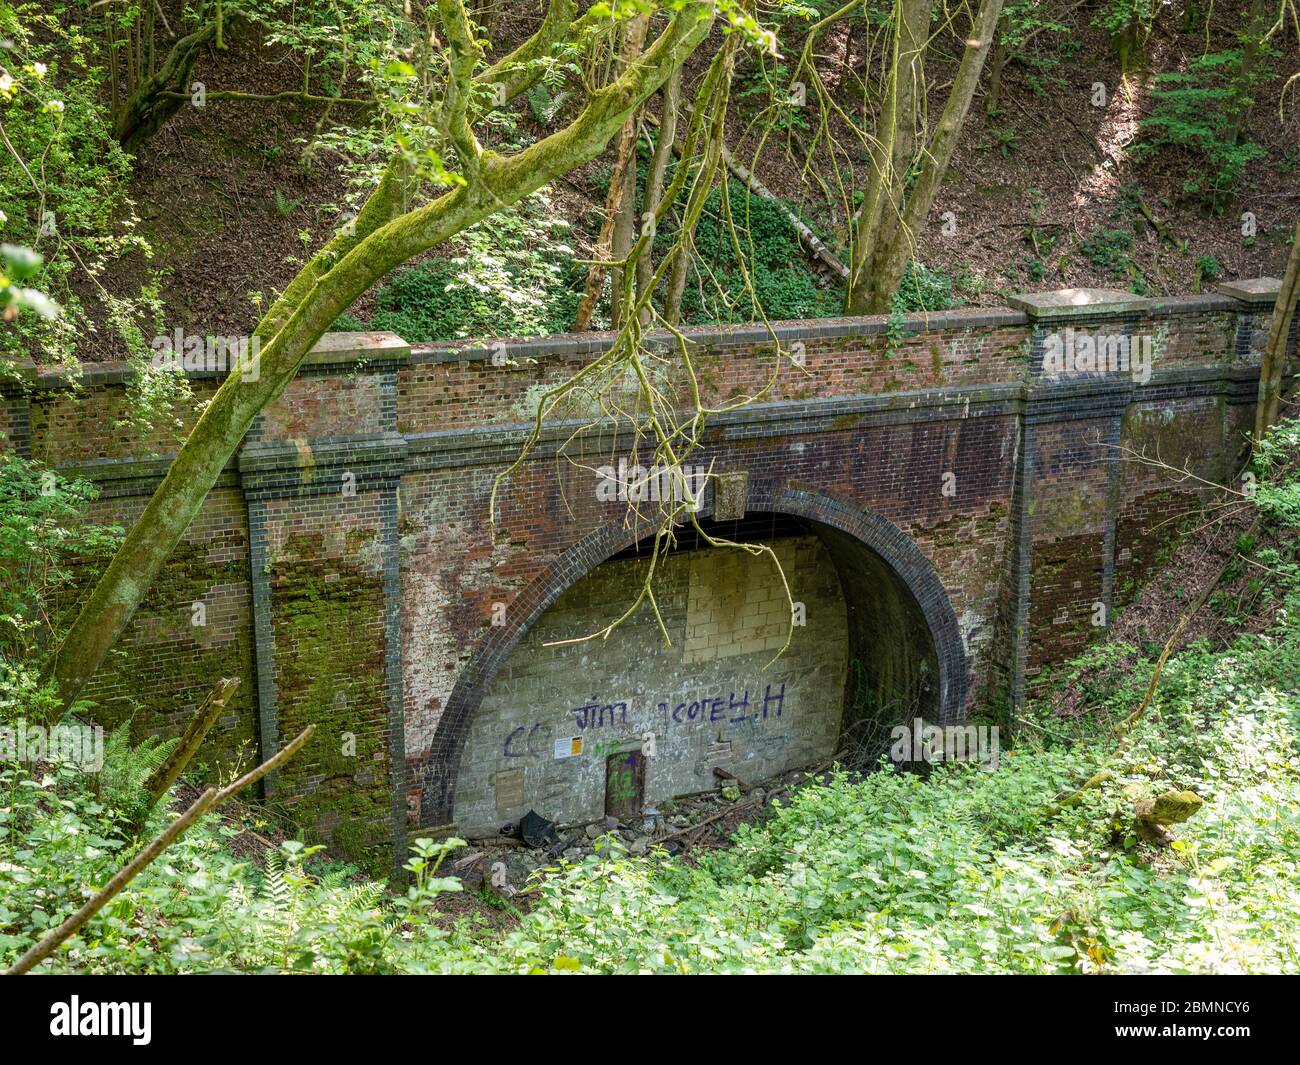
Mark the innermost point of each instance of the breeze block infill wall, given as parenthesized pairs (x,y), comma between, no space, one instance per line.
(350,576)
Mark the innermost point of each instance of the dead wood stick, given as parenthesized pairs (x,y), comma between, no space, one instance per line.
(1162,228)
(200,724)
(708,820)
(211,798)
(1152,817)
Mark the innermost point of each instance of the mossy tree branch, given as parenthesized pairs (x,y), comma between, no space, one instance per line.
(161,94)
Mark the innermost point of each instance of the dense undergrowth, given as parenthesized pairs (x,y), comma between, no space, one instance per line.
(970,870)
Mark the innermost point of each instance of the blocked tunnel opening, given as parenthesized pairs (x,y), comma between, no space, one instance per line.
(557,716)
(891,666)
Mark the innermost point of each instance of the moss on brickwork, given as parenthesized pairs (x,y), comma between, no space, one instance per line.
(1062,515)
(709,371)
(329,653)
(1180,434)
(1150,532)
(166,665)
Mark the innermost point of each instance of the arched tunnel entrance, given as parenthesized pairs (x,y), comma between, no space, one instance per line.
(562,724)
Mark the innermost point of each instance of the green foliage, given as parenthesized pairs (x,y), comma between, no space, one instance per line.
(1119,15)
(57,837)
(1108,249)
(512,276)
(1208,267)
(127,769)
(63,182)
(771,253)
(924,289)
(1129,24)
(770,81)
(1278,492)
(1194,111)
(545,103)
(1006,139)
(283,205)
(19,264)
(340,39)
(1023,19)
(44,537)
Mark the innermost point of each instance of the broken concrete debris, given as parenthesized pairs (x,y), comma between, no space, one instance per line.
(673,826)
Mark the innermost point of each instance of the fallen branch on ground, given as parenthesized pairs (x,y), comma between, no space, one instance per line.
(211,798)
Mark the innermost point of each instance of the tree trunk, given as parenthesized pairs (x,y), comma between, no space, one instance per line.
(997,63)
(624,174)
(654,184)
(677,259)
(677,288)
(1257,22)
(908,117)
(681,262)
(877,191)
(624,234)
(1279,331)
(877,284)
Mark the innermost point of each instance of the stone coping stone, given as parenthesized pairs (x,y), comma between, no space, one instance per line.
(1261,290)
(1076,303)
(361,449)
(332,350)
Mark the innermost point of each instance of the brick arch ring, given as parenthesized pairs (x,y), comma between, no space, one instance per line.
(879,535)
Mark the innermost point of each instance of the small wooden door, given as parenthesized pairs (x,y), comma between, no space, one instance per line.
(625,784)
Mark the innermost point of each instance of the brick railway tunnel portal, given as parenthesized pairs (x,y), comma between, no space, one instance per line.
(576,725)
(351,581)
